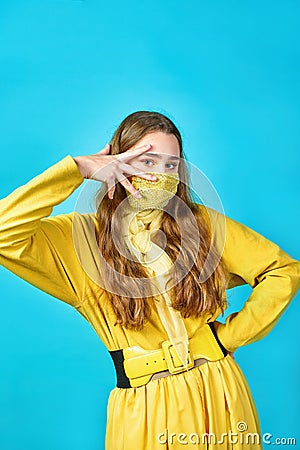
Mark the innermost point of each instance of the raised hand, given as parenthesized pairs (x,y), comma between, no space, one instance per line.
(113,168)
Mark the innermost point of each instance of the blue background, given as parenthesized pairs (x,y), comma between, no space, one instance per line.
(227,73)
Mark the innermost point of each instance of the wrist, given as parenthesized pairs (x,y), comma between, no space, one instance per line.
(227,341)
(82,166)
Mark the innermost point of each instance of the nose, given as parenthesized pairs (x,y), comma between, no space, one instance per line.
(160,167)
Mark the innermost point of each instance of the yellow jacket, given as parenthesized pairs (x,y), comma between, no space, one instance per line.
(59,255)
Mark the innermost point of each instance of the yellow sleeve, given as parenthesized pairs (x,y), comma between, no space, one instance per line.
(39,248)
(273,275)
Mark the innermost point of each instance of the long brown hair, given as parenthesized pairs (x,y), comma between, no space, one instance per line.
(191,297)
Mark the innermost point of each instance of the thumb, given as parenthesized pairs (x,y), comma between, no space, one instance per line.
(105,150)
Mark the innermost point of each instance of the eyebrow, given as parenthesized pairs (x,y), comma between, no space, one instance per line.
(159,157)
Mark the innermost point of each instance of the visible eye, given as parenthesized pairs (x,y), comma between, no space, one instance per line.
(146,161)
(171,164)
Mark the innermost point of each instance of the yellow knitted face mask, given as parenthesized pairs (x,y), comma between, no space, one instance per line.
(155,194)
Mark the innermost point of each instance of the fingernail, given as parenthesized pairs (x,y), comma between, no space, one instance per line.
(138,196)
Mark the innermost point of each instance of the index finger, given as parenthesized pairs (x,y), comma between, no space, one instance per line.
(132,153)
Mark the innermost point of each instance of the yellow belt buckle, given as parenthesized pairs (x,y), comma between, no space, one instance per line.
(166,347)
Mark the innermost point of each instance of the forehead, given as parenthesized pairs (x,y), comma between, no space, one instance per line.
(161,143)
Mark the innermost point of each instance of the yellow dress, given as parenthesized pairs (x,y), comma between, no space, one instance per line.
(58,254)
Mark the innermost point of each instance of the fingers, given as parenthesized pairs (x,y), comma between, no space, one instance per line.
(111,185)
(129,154)
(118,176)
(127,185)
(111,191)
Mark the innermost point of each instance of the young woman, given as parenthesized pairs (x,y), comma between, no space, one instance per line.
(149,271)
